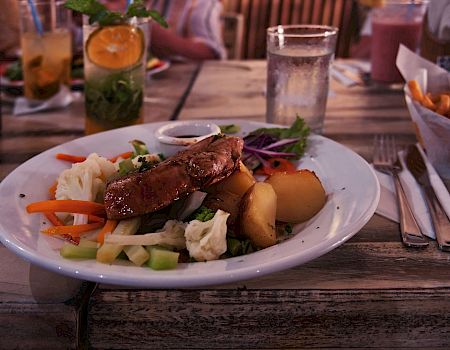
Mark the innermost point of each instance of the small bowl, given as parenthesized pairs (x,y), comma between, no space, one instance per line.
(176,136)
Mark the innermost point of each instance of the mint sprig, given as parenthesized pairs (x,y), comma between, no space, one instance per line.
(98,13)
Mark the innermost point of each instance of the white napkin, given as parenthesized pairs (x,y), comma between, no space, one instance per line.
(388,207)
(62,99)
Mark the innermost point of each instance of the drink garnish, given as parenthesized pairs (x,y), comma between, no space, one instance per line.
(98,13)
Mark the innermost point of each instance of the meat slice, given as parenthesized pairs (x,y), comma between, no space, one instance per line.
(197,167)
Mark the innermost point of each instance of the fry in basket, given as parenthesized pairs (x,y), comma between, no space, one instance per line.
(415,89)
(428,102)
(444,105)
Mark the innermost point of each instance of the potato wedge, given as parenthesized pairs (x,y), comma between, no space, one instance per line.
(258,209)
(226,201)
(238,182)
(300,195)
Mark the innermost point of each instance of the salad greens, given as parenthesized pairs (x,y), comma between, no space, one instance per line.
(264,143)
(98,12)
(229,129)
(203,214)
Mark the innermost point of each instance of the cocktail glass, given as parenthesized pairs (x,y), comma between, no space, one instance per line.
(46,47)
(114,74)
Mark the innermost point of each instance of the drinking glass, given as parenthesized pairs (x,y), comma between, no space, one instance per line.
(397,22)
(298,64)
(46,47)
(114,74)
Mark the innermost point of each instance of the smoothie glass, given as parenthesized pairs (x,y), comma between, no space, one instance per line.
(298,65)
(46,47)
(397,22)
(114,74)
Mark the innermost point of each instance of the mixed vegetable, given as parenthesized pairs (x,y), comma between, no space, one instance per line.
(204,226)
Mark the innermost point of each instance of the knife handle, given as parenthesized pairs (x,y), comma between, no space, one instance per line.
(411,234)
(440,220)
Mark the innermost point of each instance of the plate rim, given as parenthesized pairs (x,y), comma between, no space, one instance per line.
(173,281)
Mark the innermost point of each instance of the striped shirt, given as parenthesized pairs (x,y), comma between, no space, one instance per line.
(195,19)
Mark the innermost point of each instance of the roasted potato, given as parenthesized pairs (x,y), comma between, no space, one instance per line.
(300,195)
(226,201)
(258,209)
(238,182)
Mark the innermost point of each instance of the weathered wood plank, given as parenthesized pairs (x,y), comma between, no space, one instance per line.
(269,319)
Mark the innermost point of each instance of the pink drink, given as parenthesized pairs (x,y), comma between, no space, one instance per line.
(397,22)
(386,38)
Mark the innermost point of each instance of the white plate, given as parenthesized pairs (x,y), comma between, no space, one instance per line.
(353,194)
(153,71)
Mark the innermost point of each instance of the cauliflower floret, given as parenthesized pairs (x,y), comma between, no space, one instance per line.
(84,181)
(207,240)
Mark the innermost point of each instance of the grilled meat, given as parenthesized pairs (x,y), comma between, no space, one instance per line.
(197,167)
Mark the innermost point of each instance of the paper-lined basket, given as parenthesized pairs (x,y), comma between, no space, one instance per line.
(433,129)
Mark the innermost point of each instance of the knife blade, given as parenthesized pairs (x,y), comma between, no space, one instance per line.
(441,223)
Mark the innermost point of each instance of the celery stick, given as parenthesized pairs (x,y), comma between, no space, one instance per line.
(161,259)
(108,252)
(137,254)
(87,243)
(71,251)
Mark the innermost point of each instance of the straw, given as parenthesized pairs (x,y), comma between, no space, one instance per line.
(129,2)
(36,20)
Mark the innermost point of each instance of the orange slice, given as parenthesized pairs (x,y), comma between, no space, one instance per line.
(115,47)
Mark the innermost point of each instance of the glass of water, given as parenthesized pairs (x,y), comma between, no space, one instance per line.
(298,64)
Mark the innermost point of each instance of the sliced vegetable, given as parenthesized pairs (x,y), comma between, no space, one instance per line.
(70,158)
(140,148)
(126,166)
(277,165)
(70,251)
(53,219)
(108,252)
(161,259)
(230,129)
(73,230)
(171,235)
(52,190)
(136,254)
(107,229)
(87,243)
(67,206)
(125,155)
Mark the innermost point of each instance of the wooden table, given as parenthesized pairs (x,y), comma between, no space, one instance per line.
(370,292)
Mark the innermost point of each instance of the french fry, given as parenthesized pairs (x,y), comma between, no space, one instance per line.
(444,105)
(415,89)
(428,103)
(433,98)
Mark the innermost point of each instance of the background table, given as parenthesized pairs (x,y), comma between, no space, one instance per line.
(370,292)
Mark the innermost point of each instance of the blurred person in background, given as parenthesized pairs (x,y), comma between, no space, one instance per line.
(194,32)
(9,29)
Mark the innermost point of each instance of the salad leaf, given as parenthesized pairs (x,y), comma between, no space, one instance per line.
(14,71)
(292,141)
(98,12)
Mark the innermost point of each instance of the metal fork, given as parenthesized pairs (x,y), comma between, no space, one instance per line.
(385,160)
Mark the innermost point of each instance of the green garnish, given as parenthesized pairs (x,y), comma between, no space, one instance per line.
(98,12)
(203,214)
(230,129)
(299,129)
(288,228)
(115,100)
(140,148)
(236,247)
(14,71)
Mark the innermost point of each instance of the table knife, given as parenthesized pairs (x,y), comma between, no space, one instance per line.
(417,166)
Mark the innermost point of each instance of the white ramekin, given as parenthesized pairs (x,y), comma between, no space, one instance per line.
(171,143)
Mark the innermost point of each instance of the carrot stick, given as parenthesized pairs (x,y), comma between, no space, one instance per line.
(52,190)
(73,230)
(53,219)
(67,206)
(123,155)
(94,218)
(70,158)
(107,229)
